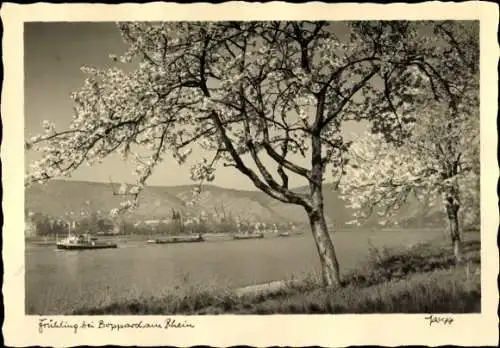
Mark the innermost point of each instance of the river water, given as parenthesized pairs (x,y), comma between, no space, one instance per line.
(58,282)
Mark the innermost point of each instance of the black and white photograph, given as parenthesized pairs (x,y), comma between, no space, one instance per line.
(188,168)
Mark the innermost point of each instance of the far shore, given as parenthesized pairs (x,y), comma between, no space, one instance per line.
(209,236)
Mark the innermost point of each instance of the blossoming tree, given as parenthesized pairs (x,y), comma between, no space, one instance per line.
(438,153)
(247,92)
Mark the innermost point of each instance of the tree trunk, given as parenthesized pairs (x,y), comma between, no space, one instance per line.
(326,251)
(315,210)
(328,258)
(456,240)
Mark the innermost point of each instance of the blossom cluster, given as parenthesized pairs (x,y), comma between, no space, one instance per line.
(254,86)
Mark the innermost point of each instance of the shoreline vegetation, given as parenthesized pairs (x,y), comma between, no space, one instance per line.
(422,278)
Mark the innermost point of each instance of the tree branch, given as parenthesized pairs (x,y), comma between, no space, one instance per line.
(354,90)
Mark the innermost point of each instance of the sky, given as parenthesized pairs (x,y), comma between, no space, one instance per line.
(53,55)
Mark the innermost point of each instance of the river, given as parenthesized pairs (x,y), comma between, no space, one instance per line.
(59,281)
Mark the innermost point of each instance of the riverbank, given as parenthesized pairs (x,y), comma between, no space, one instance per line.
(417,279)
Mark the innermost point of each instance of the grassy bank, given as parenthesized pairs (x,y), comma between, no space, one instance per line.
(417,279)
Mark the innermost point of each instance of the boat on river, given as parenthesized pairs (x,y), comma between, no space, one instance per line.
(283,234)
(177,239)
(248,236)
(83,242)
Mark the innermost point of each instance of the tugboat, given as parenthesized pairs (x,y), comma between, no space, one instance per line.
(83,242)
(256,234)
(248,236)
(177,239)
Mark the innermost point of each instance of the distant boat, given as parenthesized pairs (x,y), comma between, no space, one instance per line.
(83,242)
(248,236)
(177,239)
(284,234)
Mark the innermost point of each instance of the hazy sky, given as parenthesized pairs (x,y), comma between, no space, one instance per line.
(53,55)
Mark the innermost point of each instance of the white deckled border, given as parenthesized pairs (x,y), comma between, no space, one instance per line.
(297,330)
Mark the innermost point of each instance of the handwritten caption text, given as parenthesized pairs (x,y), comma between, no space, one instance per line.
(45,324)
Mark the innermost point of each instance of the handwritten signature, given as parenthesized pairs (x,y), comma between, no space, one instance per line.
(433,319)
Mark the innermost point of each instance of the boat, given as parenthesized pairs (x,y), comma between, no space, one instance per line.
(83,242)
(248,236)
(177,239)
(283,234)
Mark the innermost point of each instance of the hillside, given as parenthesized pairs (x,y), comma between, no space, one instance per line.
(59,197)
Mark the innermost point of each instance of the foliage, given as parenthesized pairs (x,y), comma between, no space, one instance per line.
(48,226)
(395,264)
(381,176)
(437,153)
(45,226)
(241,90)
